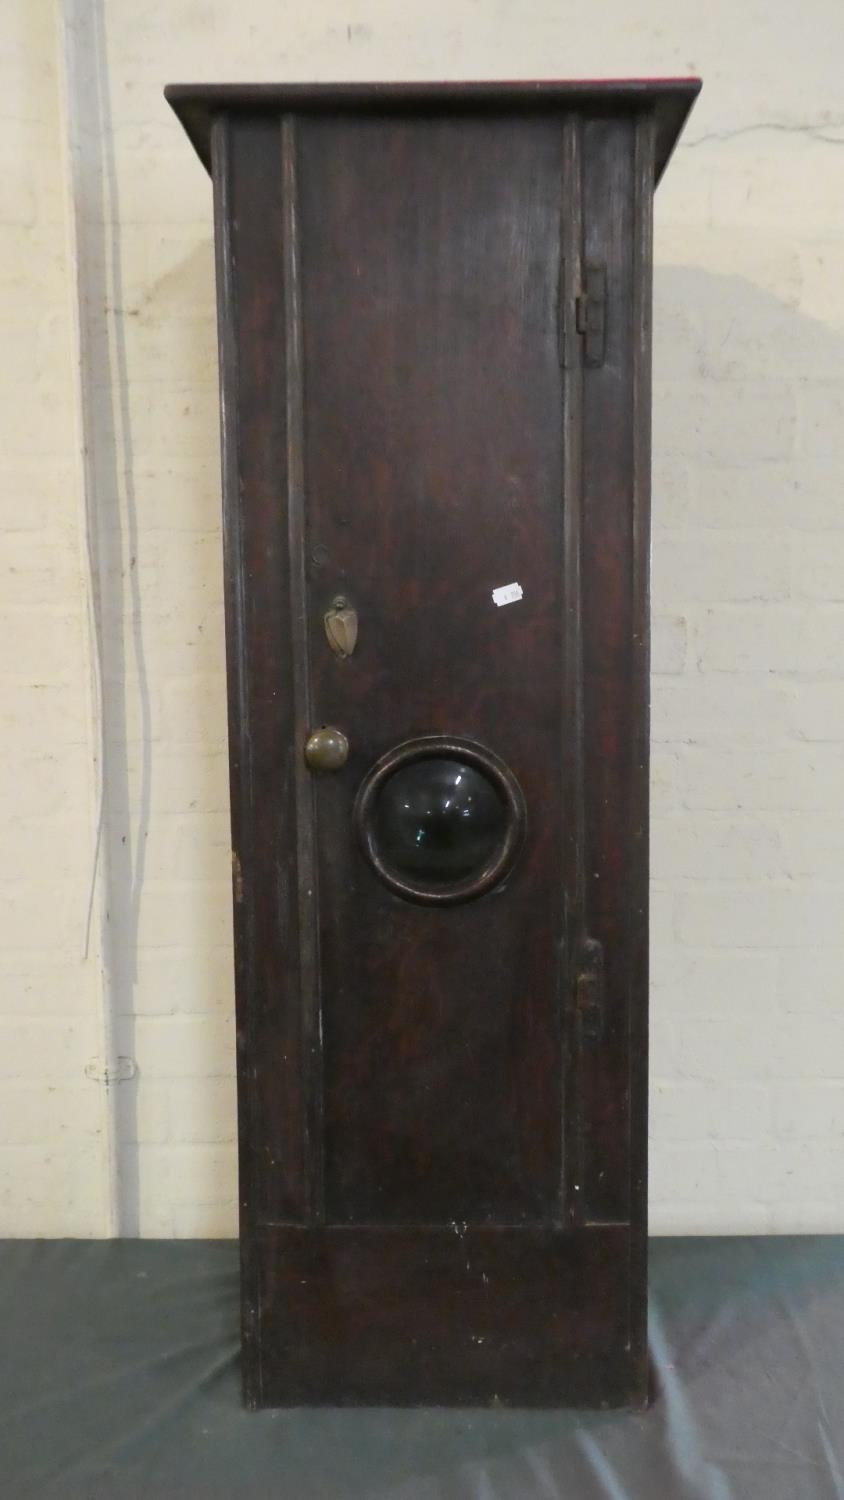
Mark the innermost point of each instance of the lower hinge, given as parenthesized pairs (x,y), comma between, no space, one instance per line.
(590,991)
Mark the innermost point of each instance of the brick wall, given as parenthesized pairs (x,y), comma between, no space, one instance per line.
(747,1110)
(52,1177)
(748,691)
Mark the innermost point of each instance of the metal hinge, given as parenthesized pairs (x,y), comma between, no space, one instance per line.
(590,991)
(591,314)
(583,316)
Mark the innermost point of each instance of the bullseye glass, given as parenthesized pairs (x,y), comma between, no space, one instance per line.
(439,820)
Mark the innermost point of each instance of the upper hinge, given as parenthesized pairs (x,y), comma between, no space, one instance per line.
(586,331)
(591,314)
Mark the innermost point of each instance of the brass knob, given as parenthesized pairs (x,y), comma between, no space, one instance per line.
(327,749)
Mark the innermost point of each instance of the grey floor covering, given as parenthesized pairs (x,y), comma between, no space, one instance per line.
(119,1377)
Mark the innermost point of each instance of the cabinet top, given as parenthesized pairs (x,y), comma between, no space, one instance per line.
(670,99)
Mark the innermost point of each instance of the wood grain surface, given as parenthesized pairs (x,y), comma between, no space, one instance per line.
(442,1107)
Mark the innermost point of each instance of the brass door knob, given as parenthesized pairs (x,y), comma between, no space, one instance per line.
(327,749)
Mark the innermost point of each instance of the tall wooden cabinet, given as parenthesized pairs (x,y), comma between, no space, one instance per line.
(434,325)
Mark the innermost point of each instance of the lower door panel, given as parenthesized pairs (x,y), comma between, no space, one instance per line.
(457,1315)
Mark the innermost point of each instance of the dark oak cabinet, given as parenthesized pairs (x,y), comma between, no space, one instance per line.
(434,325)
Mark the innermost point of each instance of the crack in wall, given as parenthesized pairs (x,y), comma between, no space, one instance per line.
(815,132)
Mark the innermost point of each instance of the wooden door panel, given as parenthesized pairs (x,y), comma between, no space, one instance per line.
(433,471)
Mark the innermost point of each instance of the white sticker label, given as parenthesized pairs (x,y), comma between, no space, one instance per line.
(509,593)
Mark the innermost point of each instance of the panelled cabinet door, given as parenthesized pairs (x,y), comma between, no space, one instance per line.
(434,319)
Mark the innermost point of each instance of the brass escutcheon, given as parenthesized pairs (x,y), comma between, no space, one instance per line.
(341,627)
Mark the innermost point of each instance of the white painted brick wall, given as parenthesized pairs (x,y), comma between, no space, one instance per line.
(51,1116)
(748,643)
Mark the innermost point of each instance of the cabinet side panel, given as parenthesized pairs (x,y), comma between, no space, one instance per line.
(612,685)
(640,738)
(272,1033)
